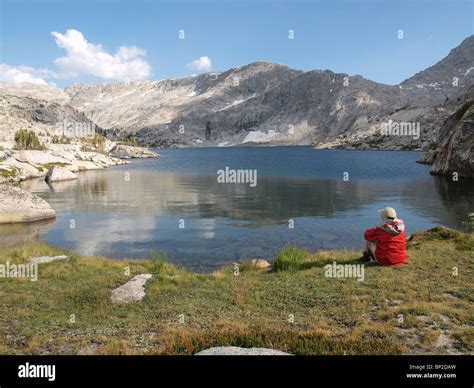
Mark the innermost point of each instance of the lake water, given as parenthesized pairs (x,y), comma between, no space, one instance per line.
(175,205)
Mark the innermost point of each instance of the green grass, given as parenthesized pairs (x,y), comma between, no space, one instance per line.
(289,259)
(47,166)
(10,172)
(462,241)
(375,142)
(295,308)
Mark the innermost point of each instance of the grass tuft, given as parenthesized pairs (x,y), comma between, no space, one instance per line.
(289,259)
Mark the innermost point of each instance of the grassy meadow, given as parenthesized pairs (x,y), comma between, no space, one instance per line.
(425,307)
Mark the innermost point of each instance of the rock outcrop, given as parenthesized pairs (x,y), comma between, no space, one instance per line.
(47,259)
(56,174)
(130,152)
(28,164)
(132,291)
(17,205)
(260,264)
(237,351)
(455,153)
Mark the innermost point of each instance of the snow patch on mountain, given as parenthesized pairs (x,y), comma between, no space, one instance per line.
(236,102)
(259,137)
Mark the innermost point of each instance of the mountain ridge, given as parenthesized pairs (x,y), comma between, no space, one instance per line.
(261,103)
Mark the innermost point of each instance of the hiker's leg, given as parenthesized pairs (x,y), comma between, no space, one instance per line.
(372,247)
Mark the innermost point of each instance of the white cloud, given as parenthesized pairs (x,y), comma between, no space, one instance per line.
(18,74)
(84,58)
(202,64)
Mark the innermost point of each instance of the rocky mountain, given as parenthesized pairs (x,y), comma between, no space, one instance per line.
(258,104)
(448,75)
(44,109)
(455,152)
(176,111)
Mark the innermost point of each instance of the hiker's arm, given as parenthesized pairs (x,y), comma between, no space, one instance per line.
(371,234)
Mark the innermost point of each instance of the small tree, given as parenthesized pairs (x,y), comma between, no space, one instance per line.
(132,141)
(27,140)
(98,141)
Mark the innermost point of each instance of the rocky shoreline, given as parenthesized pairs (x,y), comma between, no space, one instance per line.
(20,165)
(58,162)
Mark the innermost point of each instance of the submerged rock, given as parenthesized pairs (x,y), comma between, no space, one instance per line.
(13,235)
(236,351)
(56,174)
(17,205)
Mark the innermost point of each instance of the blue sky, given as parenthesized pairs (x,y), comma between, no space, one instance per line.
(356,37)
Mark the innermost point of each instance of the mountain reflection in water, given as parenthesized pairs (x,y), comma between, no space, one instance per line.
(228,222)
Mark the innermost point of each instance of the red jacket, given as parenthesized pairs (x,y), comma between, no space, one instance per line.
(391,243)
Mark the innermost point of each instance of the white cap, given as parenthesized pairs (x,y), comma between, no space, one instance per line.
(388,214)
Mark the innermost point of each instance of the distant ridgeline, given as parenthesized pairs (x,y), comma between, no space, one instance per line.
(258,104)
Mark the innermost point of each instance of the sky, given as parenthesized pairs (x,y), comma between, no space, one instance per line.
(66,42)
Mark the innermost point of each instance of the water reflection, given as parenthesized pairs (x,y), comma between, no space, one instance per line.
(16,234)
(226,222)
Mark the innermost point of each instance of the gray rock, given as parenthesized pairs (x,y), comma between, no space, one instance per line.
(38,157)
(47,259)
(129,152)
(5,154)
(260,263)
(427,158)
(56,174)
(17,205)
(26,170)
(132,291)
(455,153)
(236,351)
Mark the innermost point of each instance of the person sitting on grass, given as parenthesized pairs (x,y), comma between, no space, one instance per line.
(386,244)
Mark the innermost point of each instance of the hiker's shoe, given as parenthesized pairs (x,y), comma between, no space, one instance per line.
(368,256)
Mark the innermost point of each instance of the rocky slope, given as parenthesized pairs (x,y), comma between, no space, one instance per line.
(455,153)
(42,109)
(258,104)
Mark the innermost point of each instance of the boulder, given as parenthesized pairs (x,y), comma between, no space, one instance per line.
(129,152)
(132,291)
(83,165)
(46,259)
(17,205)
(26,170)
(57,173)
(38,157)
(260,263)
(98,159)
(5,154)
(236,351)
(455,153)
(427,158)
